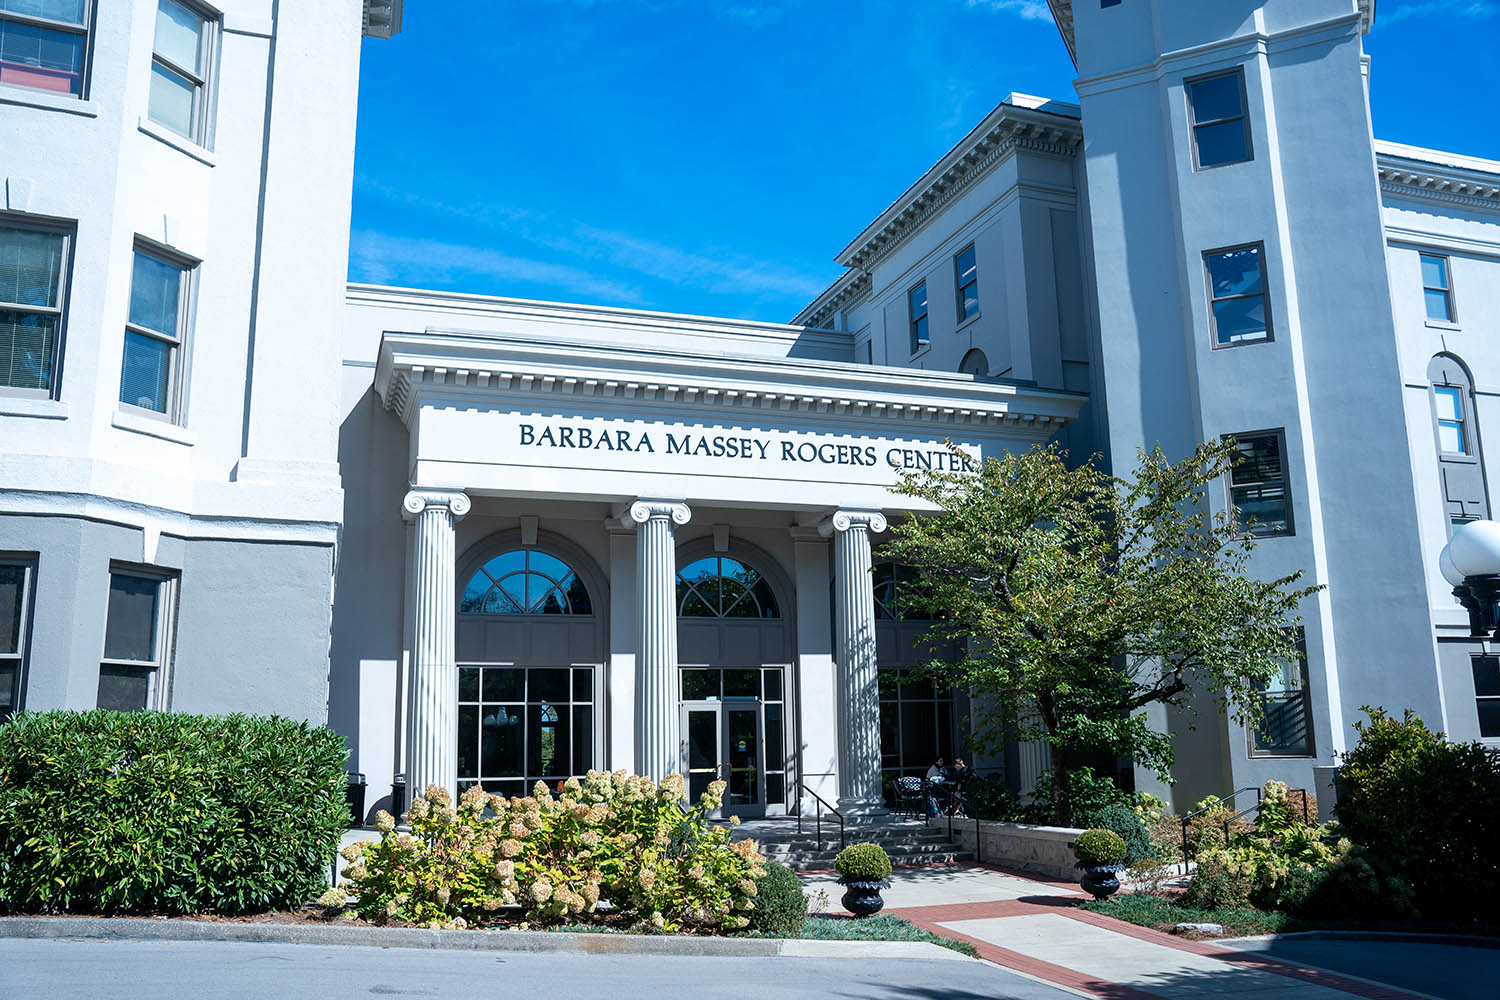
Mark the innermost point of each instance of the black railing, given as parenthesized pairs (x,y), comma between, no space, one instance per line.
(802,787)
(1224,801)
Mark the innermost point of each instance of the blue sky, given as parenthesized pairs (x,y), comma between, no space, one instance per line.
(711,156)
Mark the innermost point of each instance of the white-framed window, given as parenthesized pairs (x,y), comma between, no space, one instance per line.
(1437,290)
(138,631)
(33,293)
(153,367)
(917,310)
(1286,724)
(182,64)
(1460,451)
(17,583)
(1239,310)
(44,44)
(966,271)
(1487,693)
(1220,125)
(1449,401)
(1260,495)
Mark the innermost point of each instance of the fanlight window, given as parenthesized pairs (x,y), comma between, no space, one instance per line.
(890,579)
(526,582)
(721,587)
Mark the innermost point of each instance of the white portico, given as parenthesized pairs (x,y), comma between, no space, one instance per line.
(697,529)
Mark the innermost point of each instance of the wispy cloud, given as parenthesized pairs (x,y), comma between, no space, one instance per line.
(380,257)
(1027,10)
(704,269)
(1390,14)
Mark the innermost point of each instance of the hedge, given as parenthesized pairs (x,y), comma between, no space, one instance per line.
(115,812)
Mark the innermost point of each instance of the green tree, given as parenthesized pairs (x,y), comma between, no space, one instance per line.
(1077,599)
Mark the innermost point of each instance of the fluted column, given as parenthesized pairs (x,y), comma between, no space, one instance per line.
(432,696)
(656,751)
(856,682)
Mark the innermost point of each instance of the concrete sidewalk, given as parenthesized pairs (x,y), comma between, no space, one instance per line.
(1036,929)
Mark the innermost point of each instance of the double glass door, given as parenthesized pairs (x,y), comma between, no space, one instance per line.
(723,741)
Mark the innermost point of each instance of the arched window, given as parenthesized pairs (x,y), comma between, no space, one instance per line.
(526,582)
(721,587)
(1457,436)
(889,578)
(975,363)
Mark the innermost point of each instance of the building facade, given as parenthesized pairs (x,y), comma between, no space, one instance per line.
(495,540)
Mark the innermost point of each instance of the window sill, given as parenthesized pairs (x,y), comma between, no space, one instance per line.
(968,322)
(24,406)
(1442,324)
(152,427)
(47,100)
(922,351)
(180,143)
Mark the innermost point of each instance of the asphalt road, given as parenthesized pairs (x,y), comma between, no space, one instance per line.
(1450,971)
(212,970)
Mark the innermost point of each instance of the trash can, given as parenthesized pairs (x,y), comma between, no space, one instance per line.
(398,795)
(354,794)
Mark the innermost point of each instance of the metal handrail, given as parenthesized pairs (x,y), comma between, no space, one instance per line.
(802,786)
(1220,800)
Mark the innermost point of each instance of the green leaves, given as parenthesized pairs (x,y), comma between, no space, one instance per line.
(1079,599)
(152,812)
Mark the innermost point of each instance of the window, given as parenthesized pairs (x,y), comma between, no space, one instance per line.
(1237,295)
(721,587)
(1487,693)
(917,300)
(518,726)
(151,374)
(890,580)
(975,363)
(33,283)
(137,641)
(1449,400)
(42,44)
(526,582)
(15,614)
(1436,292)
(916,723)
(1258,493)
(1104,4)
(180,69)
(1285,728)
(1221,129)
(968,283)
(1460,457)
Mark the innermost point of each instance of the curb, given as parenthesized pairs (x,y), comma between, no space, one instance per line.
(533,942)
(1411,937)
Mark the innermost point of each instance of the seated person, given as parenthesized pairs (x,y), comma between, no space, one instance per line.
(937,775)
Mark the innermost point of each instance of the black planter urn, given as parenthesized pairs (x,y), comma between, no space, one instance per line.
(862,896)
(1101,881)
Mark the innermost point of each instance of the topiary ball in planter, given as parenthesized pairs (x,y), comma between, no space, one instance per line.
(1101,855)
(863,871)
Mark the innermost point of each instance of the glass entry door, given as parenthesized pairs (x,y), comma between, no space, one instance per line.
(723,741)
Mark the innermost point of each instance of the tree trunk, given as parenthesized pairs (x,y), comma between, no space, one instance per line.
(1061,803)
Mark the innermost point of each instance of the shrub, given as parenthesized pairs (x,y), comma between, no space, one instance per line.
(1132,830)
(1424,807)
(863,862)
(1218,882)
(1099,847)
(780,906)
(155,812)
(612,837)
(1087,794)
(988,798)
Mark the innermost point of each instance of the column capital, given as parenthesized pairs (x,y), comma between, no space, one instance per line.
(419,499)
(644,510)
(843,520)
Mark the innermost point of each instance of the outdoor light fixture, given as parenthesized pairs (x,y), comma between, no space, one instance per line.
(1471,562)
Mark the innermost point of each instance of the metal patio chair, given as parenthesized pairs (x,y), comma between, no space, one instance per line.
(910,795)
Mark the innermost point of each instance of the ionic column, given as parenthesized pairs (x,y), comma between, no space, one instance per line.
(856,682)
(432,698)
(656,750)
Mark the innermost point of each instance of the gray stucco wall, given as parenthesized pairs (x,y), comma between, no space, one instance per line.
(252,617)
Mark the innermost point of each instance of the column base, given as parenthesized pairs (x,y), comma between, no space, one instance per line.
(863,812)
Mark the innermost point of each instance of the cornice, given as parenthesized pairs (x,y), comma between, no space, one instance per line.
(1005,130)
(1062,14)
(1406,173)
(453,365)
(850,290)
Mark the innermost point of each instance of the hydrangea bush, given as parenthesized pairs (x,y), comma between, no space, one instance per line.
(612,837)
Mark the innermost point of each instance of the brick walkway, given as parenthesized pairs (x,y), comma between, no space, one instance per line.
(1035,928)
